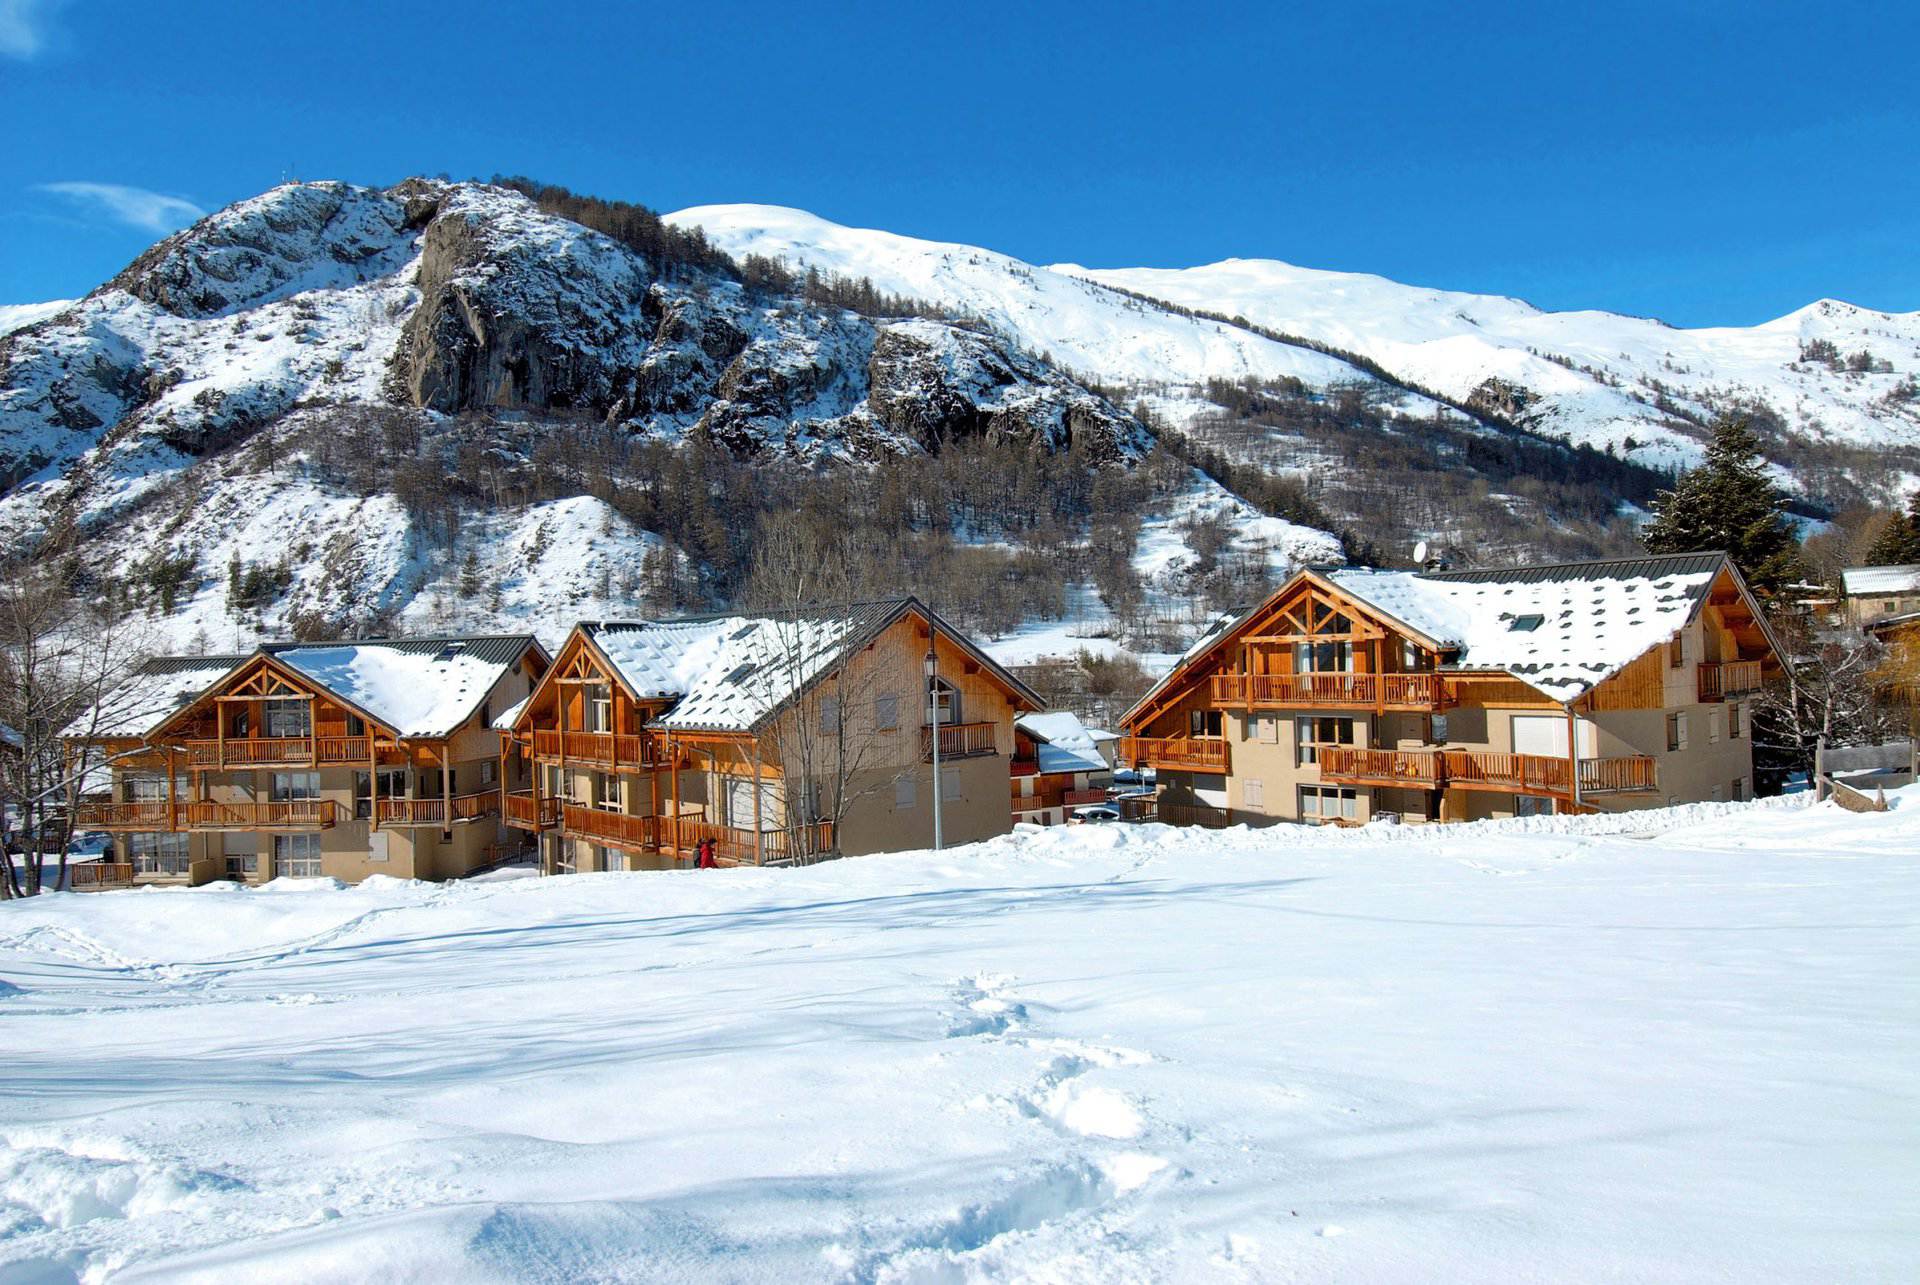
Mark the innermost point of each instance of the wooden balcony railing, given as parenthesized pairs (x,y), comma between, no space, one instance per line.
(1041,799)
(87,875)
(1321,691)
(291,814)
(1182,753)
(462,807)
(520,811)
(122,816)
(735,844)
(1474,769)
(959,741)
(1416,768)
(1196,814)
(1728,679)
(1022,767)
(278,751)
(611,827)
(604,749)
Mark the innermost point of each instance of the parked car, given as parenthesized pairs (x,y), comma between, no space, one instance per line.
(1093,813)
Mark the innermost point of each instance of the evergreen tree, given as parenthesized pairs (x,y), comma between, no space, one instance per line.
(1728,505)
(1898,543)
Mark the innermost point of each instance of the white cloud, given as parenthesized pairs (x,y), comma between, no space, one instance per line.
(134,206)
(23,26)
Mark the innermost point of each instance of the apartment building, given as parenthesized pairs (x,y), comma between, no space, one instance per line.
(1352,694)
(1059,764)
(780,738)
(341,759)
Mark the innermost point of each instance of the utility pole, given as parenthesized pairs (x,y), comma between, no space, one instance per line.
(933,706)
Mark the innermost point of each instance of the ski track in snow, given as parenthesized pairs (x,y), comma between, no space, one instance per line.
(1674,1045)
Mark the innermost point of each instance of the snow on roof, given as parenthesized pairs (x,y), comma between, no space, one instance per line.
(727,673)
(152,694)
(1560,633)
(510,715)
(1863,580)
(1062,743)
(416,688)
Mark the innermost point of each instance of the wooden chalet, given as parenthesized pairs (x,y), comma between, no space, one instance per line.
(1059,764)
(309,759)
(781,738)
(1451,695)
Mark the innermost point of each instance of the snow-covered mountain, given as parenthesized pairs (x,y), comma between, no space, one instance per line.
(226,419)
(1637,386)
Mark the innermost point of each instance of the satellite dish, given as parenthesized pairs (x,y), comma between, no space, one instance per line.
(1420,552)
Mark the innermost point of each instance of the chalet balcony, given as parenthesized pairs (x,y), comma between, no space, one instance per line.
(959,741)
(1057,798)
(1420,769)
(1181,753)
(278,751)
(1207,818)
(734,845)
(1329,691)
(602,826)
(522,815)
(1023,767)
(436,812)
(123,816)
(288,814)
(90,876)
(1729,679)
(1476,770)
(601,749)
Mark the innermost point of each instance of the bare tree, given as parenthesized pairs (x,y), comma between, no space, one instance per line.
(829,743)
(1832,692)
(64,664)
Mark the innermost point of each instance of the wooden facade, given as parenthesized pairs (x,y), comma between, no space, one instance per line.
(1318,706)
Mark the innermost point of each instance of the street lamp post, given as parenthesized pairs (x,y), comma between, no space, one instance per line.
(933,705)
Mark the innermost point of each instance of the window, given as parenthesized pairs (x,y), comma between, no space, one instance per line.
(288,787)
(1252,794)
(1264,728)
(1525,624)
(906,796)
(1677,651)
(393,785)
(240,724)
(1532,805)
(1718,794)
(566,858)
(158,854)
(287,718)
(356,726)
(296,856)
(605,858)
(555,782)
(1733,722)
(1315,734)
(489,771)
(1738,790)
(244,865)
(886,713)
(943,700)
(829,715)
(1203,722)
(1437,730)
(606,791)
(1323,658)
(597,703)
(1676,731)
(1329,803)
(950,790)
(151,787)
(1413,658)
(486,713)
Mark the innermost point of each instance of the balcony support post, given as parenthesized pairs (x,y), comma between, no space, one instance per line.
(446,793)
(1573,758)
(759,832)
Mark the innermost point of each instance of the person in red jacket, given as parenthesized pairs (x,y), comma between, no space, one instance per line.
(704,860)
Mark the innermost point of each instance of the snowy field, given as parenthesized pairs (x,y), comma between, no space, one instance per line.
(1675,1046)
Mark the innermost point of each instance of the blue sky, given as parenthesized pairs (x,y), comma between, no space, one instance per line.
(1706,163)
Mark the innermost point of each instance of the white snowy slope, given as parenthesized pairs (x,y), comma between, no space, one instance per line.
(1453,342)
(16,316)
(1668,1046)
(1092,331)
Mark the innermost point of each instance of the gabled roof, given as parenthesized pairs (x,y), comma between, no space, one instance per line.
(1861,580)
(419,687)
(1062,743)
(416,687)
(156,690)
(1562,628)
(730,673)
